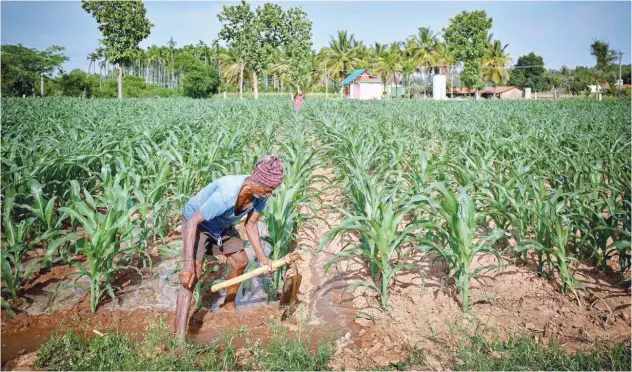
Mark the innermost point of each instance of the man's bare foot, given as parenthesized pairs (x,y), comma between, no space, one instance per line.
(228,306)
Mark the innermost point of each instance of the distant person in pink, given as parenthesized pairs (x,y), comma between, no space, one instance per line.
(298,100)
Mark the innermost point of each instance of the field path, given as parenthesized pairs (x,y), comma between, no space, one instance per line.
(327,308)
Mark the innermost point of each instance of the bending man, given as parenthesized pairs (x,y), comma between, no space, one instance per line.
(208,229)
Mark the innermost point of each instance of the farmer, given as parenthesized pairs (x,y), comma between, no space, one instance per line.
(208,228)
(298,100)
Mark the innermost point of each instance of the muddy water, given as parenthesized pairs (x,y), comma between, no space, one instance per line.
(327,316)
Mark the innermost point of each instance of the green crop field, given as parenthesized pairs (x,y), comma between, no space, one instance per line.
(94,183)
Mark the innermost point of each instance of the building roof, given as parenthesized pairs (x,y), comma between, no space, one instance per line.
(488,90)
(359,74)
(369,79)
(354,75)
(498,90)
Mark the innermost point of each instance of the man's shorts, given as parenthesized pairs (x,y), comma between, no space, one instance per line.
(206,243)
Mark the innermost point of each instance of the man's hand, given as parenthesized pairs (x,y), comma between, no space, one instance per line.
(266,262)
(187,276)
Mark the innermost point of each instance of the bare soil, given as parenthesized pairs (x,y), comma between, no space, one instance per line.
(424,309)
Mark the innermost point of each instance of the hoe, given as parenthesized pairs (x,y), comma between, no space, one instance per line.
(290,285)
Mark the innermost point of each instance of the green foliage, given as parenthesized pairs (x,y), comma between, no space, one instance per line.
(602,53)
(16,244)
(529,72)
(133,87)
(76,84)
(23,67)
(455,243)
(123,26)
(115,351)
(156,352)
(105,234)
(256,36)
(200,81)
(467,36)
(551,180)
(298,44)
(284,353)
(524,353)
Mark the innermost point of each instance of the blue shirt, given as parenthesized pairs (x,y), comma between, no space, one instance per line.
(216,203)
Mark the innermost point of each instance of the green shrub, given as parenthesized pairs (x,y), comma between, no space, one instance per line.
(201,81)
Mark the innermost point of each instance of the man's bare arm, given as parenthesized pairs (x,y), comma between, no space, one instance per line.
(252,231)
(189,227)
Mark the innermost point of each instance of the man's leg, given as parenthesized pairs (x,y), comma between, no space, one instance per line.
(185,295)
(237,263)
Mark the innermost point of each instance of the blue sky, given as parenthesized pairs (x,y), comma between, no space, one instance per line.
(561,32)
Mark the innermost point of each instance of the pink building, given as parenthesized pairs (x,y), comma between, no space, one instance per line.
(362,85)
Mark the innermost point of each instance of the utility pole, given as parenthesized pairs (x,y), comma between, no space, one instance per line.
(620,82)
(42,79)
(451,82)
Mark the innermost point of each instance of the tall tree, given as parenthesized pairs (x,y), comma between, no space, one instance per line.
(389,65)
(494,62)
(342,55)
(123,26)
(422,47)
(602,53)
(604,56)
(529,72)
(467,36)
(256,35)
(297,42)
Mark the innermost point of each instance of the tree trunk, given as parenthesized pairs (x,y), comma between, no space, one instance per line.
(395,84)
(255,85)
(241,81)
(120,81)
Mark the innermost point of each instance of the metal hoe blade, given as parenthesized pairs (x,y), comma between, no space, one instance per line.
(291,285)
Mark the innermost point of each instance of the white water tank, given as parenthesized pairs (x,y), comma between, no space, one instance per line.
(438,87)
(527,93)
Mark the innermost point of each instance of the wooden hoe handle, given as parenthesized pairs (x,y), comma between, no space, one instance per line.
(294,256)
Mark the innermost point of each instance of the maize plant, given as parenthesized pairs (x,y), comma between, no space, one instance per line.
(455,238)
(381,237)
(106,240)
(286,210)
(14,249)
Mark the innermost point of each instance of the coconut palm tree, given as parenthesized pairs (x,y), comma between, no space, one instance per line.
(445,58)
(281,66)
(342,55)
(421,47)
(232,65)
(408,68)
(320,71)
(494,62)
(389,64)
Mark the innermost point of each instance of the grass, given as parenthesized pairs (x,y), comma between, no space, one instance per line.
(524,353)
(157,353)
